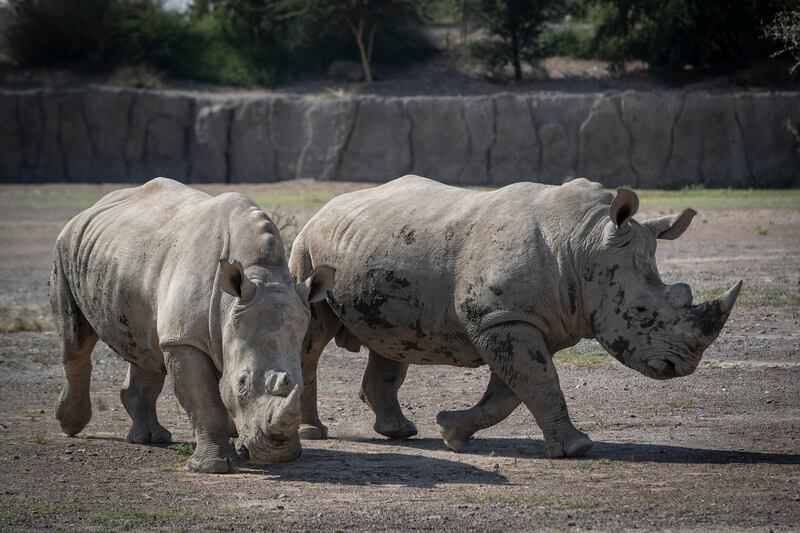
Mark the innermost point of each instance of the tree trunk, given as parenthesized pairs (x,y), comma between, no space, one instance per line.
(515,56)
(464,16)
(358,32)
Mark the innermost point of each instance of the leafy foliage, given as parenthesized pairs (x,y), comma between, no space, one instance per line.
(674,33)
(516,26)
(367,19)
(63,31)
(239,42)
(785,29)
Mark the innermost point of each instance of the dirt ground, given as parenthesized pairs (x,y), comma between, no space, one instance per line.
(718,450)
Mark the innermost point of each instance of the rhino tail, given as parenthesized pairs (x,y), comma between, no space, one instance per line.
(300,265)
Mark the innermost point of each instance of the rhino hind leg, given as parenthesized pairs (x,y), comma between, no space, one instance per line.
(198,392)
(139,395)
(74,407)
(323,327)
(497,403)
(382,379)
(518,354)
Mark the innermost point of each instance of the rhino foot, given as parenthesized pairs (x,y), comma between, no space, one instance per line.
(456,440)
(313,432)
(72,414)
(152,434)
(576,445)
(396,429)
(212,465)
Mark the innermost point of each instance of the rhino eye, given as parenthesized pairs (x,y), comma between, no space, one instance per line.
(640,309)
(242,385)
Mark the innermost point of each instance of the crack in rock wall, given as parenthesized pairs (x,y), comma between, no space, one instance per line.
(646,139)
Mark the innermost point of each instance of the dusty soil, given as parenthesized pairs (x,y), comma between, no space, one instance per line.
(718,450)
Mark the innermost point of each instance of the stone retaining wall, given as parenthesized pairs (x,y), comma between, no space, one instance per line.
(644,139)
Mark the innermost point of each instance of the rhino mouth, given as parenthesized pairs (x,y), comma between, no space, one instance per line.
(671,365)
(678,358)
(266,449)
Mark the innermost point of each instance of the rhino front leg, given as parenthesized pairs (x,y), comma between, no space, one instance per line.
(382,379)
(497,404)
(519,356)
(198,392)
(139,395)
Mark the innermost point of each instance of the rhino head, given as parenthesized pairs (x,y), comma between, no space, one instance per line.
(263,330)
(646,324)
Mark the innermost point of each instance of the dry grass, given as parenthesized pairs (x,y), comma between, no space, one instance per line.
(23,320)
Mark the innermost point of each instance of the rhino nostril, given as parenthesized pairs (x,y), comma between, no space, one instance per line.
(279,384)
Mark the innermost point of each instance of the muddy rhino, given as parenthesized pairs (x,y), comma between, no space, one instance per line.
(177,281)
(432,274)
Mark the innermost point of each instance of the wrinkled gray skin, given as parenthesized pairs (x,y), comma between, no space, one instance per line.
(177,281)
(432,274)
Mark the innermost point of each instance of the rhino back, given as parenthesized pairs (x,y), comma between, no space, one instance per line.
(421,264)
(141,264)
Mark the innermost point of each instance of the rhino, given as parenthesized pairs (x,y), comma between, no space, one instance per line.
(436,275)
(176,281)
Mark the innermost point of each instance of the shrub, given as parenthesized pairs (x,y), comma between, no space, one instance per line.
(571,39)
(785,29)
(515,26)
(52,32)
(674,33)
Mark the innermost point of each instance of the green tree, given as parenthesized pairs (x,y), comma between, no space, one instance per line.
(516,26)
(675,33)
(785,29)
(365,18)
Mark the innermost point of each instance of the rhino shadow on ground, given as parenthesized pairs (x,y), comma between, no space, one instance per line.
(615,451)
(353,468)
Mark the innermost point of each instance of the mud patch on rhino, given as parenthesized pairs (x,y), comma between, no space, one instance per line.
(539,357)
(573,308)
(393,280)
(708,321)
(407,235)
(619,346)
(369,307)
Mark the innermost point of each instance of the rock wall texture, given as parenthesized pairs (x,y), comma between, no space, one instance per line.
(644,139)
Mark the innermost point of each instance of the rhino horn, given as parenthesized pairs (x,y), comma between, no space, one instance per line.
(287,415)
(727,300)
(709,317)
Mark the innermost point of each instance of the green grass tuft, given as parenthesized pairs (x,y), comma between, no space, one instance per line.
(34,413)
(683,403)
(21,321)
(37,437)
(101,404)
(18,510)
(184,449)
(573,357)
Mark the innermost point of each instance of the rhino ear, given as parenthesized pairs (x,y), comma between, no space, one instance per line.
(623,207)
(671,226)
(316,287)
(233,280)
